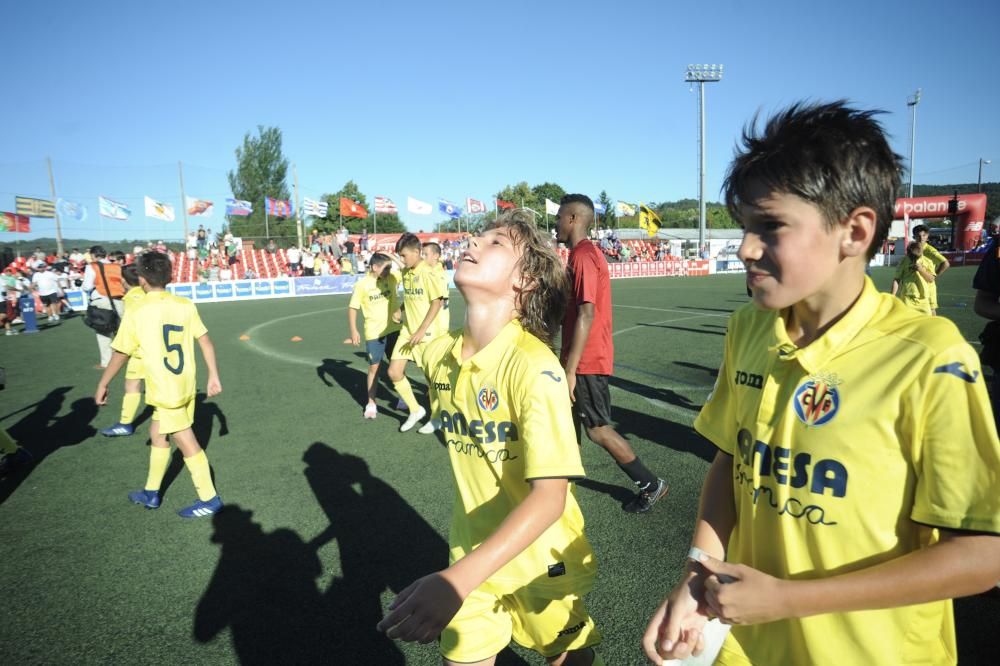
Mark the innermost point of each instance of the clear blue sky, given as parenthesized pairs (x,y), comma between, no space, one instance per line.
(458,99)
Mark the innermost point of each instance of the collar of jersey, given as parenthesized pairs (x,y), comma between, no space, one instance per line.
(815,355)
(489,356)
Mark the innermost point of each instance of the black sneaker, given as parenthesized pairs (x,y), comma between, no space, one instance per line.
(644,500)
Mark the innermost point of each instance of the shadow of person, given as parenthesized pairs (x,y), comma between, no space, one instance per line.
(383,542)
(205,415)
(44,430)
(264,591)
(354,381)
(665,432)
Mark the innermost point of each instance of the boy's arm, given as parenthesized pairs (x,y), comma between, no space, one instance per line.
(418,335)
(581,331)
(895,285)
(425,608)
(214,386)
(118,360)
(924,273)
(352,321)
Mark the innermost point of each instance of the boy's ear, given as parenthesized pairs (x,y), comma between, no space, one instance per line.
(859,228)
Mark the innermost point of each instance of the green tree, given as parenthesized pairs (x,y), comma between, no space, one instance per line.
(610,218)
(550,191)
(522,196)
(261,169)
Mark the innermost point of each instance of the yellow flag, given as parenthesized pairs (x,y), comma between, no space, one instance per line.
(649,220)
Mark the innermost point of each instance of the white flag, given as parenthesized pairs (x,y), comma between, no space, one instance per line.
(385,205)
(418,207)
(314,208)
(474,206)
(551,207)
(159,210)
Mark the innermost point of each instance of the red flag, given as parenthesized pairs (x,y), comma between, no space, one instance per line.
(505,204)
(16,223)
(350,208)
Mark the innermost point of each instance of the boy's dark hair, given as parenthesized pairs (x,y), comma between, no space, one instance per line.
(408,241)
(433,246)
(376,260)
(577,198)
(920,228)
(131,274)
(118,255)
(830,155)
(541,304)
(155,268)
(98,252)
(912,247)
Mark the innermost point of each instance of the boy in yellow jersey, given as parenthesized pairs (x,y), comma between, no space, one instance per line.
(134,371)
(855,490)
(921,233)
(520,562)
(432,257)
(376,296)
(163,328)
(914,278)
(422,299)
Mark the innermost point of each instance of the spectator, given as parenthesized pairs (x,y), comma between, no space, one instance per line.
(308,263)
(323,263)
(350,256)
(364,240)
(105,292)
(75,257)
(201,237)
(342,235)
(46,284)
(293,256)
(225,274)
(272,247)
(626,253)
(249,274)
(39,254)
(192,241)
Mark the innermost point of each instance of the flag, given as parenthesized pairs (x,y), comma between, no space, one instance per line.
(113,209)
(449,209)
(474,206)
(71,210)
(198,207)
(278,207)
(35,207)
(600,208)
(349,208)
(238,208)
(551,207)
(418,207)
(159,210)
(505,204)
(16,223)
(315,208)
(624,209)
(649,220)
(385,205)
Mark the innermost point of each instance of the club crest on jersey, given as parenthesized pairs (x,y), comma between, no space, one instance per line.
(817,400)
(488,398)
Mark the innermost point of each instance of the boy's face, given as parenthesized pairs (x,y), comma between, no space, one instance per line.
(410,256)
(790,252)
(922,236)
(430,256)
(489,265)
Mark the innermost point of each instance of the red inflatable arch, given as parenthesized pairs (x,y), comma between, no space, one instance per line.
(968,224)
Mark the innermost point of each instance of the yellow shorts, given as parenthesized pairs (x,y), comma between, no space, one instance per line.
(932,295)
(135,368)
(175,419)
(414,354)
(486,623)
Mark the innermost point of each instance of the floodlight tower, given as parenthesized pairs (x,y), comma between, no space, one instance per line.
(702,74)
(979,185)
(912,103)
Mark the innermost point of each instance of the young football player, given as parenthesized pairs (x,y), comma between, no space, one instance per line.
(164,328)
(914,277)
(134,371)
(422,299)
(937,260)
(855,490)
(432,257)
(376,296)
(520,560)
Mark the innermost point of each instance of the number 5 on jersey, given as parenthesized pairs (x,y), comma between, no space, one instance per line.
(171,348)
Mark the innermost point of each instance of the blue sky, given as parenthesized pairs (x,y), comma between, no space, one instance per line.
(458,99)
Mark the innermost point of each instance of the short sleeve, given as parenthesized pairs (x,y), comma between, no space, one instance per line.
(356,296)
(585,273)
(126,341)
(957,453)
(988,274)
(197,327)
(433,283)
(717,420)
(546,421)
(935,257)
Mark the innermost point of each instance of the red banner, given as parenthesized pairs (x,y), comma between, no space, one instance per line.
(350,208)
(673,268)
(16,223)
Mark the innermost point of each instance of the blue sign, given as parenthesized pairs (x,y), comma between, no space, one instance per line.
(224,290)
(184,290)
(75,299)
(262,288)
(202,291)
(282,287)
(244,288)
(326,284)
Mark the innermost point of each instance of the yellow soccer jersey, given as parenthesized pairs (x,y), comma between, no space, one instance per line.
(847,453)
(443,321)
(377,299)
(914,290)
(164,328)
(506,417)
(133,299)
(935,258)
(421,286)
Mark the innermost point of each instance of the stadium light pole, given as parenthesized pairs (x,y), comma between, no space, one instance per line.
(912,103)
(979,184)
(702,74)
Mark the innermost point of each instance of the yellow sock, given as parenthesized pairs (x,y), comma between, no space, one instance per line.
(159,459)
(201,476)
(405,392)
(130,406)
(7,445)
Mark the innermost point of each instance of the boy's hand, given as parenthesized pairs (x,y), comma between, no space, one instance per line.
(422,610)
(571,385)
(101,395)
(738,594)
(675,630)
(355,339)
(214,387)
(397,316)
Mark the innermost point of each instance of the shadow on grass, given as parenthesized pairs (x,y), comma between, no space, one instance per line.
(714,372)
(44,430)
(354,381)
(205,414)
(664,432)
(620,494)
(705,309)
(685,329)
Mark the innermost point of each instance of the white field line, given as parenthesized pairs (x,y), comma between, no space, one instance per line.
(283,356)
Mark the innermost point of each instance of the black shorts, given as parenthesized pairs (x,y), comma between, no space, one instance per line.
(592,403)
(50,299)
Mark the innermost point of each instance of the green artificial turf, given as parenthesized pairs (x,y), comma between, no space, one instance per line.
(330,515)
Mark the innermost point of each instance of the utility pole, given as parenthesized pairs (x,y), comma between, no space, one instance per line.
(702,74)
(912,103)
(979,183)
(184,207)
(299,231)
(52,188)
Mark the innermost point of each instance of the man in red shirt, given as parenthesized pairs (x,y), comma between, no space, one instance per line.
(588,353)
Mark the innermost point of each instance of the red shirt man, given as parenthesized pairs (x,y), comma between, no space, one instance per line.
(591,283)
